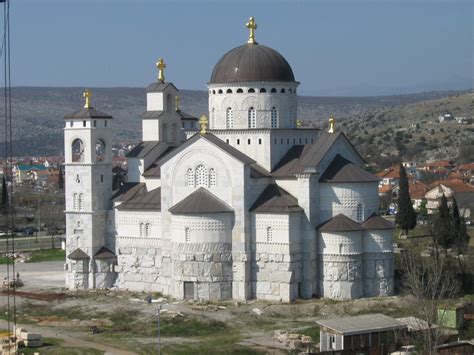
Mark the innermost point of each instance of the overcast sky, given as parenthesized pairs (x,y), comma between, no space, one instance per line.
(334,47)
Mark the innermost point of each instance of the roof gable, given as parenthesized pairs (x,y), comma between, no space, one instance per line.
(275,200)
(209,137)
(128,191)
(87,113)
(343,170)
(104,253)
(340,223)
(78,254)
(159,86)
(200,201)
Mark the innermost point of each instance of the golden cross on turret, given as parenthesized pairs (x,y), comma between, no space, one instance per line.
(87,94)
(161,69)
(332,124)
(203,123)
(252,26)
(176,100)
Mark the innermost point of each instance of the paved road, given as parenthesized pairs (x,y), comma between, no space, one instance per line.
(38,276)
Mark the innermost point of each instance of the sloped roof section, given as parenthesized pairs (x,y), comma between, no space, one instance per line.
(186,116)
(214,140)
(146,201)
(104,253)
(152,114)
(377,222)
(158,86)
(275,200)
(340,223)
(343,170)
(145,148)
(78,254)
(87,113)
(128,191)
(201,201)
(154,170)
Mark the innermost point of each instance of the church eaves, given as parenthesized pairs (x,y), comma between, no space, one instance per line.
(78,254)
(87,113)
(342,170)
(201,201)
(340,223)
(275,200)
(150,200)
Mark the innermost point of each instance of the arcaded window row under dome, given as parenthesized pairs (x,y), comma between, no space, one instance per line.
(253,90)
(252,117)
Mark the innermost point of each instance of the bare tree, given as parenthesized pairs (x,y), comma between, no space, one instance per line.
(53,219)
(430,283)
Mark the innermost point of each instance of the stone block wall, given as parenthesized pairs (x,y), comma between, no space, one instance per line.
(341,276)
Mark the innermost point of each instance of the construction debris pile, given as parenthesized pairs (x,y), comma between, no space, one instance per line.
(294,341)
(27,339)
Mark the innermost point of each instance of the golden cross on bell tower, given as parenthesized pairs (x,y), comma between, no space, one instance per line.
(87,94)
(332,124)
(161,69)
(252,26)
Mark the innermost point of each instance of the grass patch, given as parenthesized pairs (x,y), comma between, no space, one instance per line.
(48,255)
(313,332)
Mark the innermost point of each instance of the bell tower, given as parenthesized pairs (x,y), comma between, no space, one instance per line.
(88,189)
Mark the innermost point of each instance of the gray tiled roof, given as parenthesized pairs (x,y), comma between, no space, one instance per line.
(127,191)
(78,254)
(275,200)
(145,148)
(257,171)
(237,154)
(361,324)
(186,116)
(150,200)
(343,170)
(154,170)
(305,158)
(104,253)
(152,114)
(158,86)
(200,201)
(340,223)
(87,113)
(377,222)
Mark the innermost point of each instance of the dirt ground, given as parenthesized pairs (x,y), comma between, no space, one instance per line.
(127,323)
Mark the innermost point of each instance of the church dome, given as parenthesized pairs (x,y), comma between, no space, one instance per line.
(252,62)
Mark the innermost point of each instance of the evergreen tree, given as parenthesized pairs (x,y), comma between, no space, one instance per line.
(460,235)
(443,225)
(4,195)
(60,179)
(406,215)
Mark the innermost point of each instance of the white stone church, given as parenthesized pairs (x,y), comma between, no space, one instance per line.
(246,204)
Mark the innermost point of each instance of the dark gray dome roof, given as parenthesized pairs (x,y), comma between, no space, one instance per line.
(251,62)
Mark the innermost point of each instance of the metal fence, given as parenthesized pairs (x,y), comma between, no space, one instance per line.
(31,243)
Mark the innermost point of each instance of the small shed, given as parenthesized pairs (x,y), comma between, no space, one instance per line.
(366,332)
(451,316)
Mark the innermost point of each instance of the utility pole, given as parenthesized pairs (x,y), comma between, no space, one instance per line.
(159,338)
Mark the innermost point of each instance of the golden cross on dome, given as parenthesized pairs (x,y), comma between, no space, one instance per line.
(161,69)
(203,123)
(332,124)
(252,26)
(87,94)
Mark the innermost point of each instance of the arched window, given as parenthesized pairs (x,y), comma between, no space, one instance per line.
(274,116)
(282,91)
(289,90)
(263,90)
(77,150)
(80,202)
(229,91)
(360,212)
(251,90)
(269,235)
(252,117)
(75,202)
(190,178)
(213,91)
(273,90)
(99,150)
(187,235)
(220,91)
(147,230)
(240,91)
(201,176)
(229,115)
(212,178)
(142,229)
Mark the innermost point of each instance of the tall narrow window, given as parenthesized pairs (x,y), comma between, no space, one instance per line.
(212,178)
(190,178)
(201,176)
(274,116)
(77,148)
(269,235)
(142,229)
(75,202)
(252,117)
(80,202)
(187,235)
(360,212)
(229,115)
(147,230)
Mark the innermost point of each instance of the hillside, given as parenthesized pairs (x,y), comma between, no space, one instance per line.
(38,116)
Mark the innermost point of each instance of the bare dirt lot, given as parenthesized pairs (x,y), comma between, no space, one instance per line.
(126,323)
